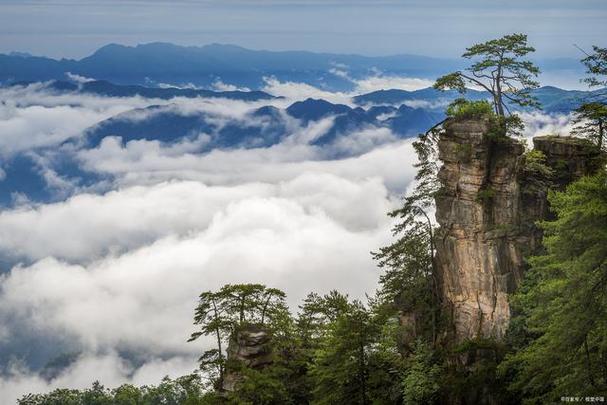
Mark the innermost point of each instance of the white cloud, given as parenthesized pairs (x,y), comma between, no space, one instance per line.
(312,233)
(379,81)
(23,129)
(78,78)
(145,162)
(299,91)
(191,86)
(132,217)
(363,140)
(109,369)
(340,71)
(32,118)
(143,299)
(219,85)
(295,91)
(537,124)
(438,104)
(374,83)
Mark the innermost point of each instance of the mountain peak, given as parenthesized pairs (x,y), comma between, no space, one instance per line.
(314,109)
(110,48)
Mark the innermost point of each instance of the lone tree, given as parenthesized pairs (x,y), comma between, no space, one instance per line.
(499,69)
(591,121)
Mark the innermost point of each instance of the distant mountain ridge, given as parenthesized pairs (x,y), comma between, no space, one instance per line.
(167,63)
(552,99)
(105,88)
(261,127)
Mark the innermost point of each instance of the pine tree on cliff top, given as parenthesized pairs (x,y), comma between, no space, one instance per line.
(498,68)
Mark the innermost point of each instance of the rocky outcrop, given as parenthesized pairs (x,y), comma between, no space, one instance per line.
(249,347)
(571,158)
(487,209)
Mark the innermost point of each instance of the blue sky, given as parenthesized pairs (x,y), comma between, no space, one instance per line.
(70,28)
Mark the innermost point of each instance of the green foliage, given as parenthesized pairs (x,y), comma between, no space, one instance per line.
(453,81)
(407,304)
(263,387)
(422,380)
(499,126)
(503,126)
(221,313)
(340,369)
(128,395)
(463,109)
(486,195)
(535,164)
(408,283)
(590,121)
(596,66)
(59,396)
(352,364)
(187,390)
(472,373)
(499,69)
(560,327)
(538,175)
(590,117)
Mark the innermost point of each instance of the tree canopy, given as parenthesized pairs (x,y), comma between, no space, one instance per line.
(220,313)
(499,68)
(590,120)
(596,67)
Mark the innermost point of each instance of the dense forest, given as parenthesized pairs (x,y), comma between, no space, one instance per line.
(396,346)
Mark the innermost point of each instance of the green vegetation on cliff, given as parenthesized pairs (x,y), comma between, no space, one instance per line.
(559,333)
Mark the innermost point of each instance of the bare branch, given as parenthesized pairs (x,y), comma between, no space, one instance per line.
(472,79)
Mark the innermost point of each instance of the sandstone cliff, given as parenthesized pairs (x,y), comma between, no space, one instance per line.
(489,202)
(249,347)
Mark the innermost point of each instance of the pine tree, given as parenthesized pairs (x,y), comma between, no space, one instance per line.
(590,121)
(560,327)
(499,69)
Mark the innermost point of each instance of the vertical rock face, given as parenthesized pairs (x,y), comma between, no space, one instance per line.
(249,347)
(486,210)
(571,158)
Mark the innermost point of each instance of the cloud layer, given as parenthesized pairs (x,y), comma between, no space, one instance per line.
(157,247)
(114,274)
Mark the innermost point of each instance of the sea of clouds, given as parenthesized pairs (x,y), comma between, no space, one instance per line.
(113,273)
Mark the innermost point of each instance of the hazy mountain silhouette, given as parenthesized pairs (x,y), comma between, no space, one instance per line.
(168,63)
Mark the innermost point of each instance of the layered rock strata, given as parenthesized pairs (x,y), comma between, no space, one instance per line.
(487,209)
(250,347)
